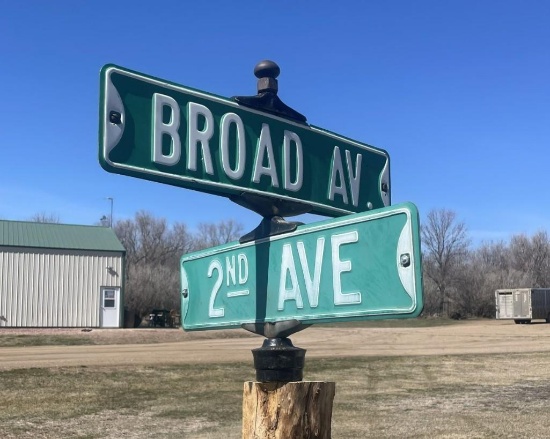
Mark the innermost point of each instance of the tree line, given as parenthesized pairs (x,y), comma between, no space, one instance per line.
(153,252)
(459,280)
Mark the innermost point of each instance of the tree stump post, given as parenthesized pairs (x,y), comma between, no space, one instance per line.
(295,410)
(279,405)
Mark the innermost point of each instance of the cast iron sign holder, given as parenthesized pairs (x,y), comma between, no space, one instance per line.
(278,360)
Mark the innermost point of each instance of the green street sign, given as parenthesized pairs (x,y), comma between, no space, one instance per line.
(357,267)
(164,132)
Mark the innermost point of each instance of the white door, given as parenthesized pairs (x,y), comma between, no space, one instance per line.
(110,312)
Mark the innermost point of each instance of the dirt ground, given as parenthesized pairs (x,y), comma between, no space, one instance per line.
(165,346)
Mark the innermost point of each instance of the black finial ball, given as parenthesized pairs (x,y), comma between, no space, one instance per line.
(267,69)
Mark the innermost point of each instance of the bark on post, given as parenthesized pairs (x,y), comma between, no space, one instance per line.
(295,410)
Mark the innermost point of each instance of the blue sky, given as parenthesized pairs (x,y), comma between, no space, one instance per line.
(457,92)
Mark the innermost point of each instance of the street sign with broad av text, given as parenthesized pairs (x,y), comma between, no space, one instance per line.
(164,132)
(356,267)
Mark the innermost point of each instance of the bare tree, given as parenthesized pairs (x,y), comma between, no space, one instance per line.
(487,269)
(43,217)
(522,263)
(540,245)
(495,262)
(211,235)
(150,240)
(153,251)
(453,273)
(153,286)
(532,257)
(445,246)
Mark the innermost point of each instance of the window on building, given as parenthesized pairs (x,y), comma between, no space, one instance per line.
(109,299)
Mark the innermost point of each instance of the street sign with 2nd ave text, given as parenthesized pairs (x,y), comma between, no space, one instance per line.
(356,267)
(164,132)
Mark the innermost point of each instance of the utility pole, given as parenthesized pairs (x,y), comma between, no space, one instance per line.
(111,216)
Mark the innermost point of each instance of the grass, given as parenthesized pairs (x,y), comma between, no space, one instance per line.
(143,335)
(18,340)
(487,396)
(425,322)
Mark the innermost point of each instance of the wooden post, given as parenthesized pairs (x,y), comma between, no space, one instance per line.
(295,410)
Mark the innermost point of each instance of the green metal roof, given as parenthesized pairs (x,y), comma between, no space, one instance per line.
(65,236)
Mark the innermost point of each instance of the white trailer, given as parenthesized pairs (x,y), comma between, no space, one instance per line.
(523,304)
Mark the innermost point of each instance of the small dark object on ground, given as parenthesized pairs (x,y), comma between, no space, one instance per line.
(456,315)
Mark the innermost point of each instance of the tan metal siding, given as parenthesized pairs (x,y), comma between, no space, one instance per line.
(54,288)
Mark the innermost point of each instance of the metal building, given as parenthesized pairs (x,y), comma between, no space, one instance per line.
(59,275)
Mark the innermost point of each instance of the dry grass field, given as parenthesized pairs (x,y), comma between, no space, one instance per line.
(468,379)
